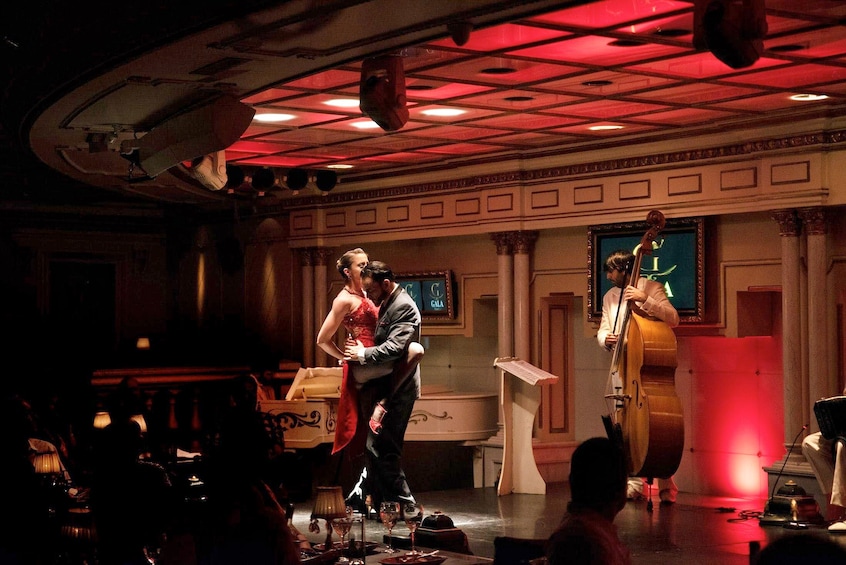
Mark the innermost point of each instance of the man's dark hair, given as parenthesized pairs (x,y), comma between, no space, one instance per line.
(378,271)
(621,260)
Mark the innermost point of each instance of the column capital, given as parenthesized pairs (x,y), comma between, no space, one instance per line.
(306,256)
(503,241)
(814,219)
(524,241)
(321,254)
(788,222)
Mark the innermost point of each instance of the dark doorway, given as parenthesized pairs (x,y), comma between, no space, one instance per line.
(82,308)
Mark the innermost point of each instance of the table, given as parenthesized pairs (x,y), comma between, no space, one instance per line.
(375,558)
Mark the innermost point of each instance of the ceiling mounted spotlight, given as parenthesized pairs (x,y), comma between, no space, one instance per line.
(263,179)
(297,179)
(459,32)
(326,180)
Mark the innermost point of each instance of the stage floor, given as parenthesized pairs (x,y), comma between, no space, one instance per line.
(697,529)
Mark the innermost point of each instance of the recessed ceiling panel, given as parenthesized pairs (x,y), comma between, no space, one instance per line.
(766,103)
(696,93)
(526,122)
(326,80)
(498,71)
(606,83)
(611,13)
(590,49)
(794,76)
(503,37)
(431,89)
(699,66)
(457,133)
(518,100)
(607,109)
(685,116)
(583,130)
(402,157)
(463,149)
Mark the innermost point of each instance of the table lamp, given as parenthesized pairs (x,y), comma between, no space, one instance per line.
(102,419)
(328,504)
(46,463)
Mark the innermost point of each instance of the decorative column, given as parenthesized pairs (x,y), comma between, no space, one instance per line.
(524,244)
(821,381)
(505,287)
(520,397)
(791,308)
(309,335)
(505,307)
(320,257)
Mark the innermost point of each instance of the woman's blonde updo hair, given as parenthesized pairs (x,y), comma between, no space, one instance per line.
(346,260)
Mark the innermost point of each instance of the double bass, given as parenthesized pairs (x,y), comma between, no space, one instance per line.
(646,417)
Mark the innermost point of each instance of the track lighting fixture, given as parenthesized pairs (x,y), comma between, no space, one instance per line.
(297,179)
(263,179)
(325,180)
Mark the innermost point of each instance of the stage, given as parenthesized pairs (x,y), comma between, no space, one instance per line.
(697,529)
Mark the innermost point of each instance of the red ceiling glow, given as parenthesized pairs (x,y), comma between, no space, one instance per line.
(567,75)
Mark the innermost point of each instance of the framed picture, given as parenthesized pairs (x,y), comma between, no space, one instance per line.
(677,261)
(432,292)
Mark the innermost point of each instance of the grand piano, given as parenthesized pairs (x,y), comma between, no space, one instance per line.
(309,412)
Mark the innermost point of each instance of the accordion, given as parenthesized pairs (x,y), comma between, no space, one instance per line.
(831,416)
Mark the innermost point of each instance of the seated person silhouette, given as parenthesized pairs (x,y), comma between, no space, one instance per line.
(598,482)
(132,500)
(801,548)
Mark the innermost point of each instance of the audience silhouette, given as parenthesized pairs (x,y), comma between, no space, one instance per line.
(800,549)
(22,538)
(587,535)
(132,500)
(244,521)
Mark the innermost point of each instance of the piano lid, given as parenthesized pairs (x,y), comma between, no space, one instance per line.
(316,382)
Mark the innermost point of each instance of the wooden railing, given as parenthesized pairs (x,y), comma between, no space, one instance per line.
(182,404)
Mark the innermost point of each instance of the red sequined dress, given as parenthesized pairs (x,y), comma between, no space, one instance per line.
(360,324)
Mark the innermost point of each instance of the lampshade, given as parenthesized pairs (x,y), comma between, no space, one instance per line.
(329,503)
(102,419)
(47,463)
(142,343)
(78,526)
(142,423)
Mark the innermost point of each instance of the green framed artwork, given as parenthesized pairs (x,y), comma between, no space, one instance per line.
(432,292)
(677,262)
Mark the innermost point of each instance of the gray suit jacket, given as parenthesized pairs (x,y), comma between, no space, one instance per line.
(398,326)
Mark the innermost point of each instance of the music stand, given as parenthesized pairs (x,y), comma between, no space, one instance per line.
(520,402)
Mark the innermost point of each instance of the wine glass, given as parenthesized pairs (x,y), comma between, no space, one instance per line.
(412,513)
(389,513)
(342,527)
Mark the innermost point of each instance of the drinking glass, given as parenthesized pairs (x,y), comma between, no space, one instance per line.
(342,527)
(412,513)
(389,513)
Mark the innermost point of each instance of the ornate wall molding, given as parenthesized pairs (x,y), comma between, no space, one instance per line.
(820,140)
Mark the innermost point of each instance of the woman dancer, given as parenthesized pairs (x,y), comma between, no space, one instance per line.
(359,315)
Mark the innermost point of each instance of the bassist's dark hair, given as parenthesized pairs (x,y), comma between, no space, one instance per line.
(620,260)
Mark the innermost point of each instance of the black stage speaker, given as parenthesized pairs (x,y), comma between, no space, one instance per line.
(382,92)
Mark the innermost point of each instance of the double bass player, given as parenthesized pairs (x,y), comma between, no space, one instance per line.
(650,298)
